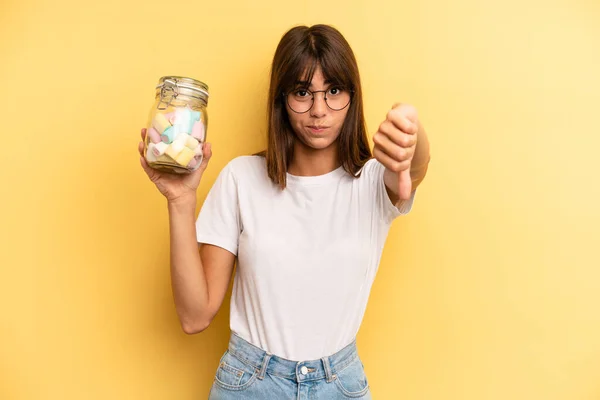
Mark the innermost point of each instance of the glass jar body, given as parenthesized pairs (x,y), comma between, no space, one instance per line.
(177,125)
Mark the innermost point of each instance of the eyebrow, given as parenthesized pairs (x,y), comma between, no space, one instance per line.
(306,83)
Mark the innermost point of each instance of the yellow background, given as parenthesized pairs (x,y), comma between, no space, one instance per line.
(489,289)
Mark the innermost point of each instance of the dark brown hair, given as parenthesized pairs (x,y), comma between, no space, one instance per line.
(299,52)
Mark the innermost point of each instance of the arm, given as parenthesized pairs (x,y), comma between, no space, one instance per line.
(199,276)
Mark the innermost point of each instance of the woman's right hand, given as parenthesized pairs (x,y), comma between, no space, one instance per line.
(175,186)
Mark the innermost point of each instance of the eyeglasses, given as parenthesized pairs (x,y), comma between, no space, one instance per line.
(301,100)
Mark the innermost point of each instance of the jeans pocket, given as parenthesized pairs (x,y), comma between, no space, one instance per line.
(234,374)
(352,380)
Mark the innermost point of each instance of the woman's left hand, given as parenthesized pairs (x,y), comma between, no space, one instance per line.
(395,142)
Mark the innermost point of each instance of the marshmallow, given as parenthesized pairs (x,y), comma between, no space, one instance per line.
(153,135)
(183,120)
(151,154)
(171,152)
(185,156)
(182,114)
(168,135)
(160,123)
(193,163)
(191,142)
(198,131)
(180,134)
(175,148)
(177,131)
(198,149)
(159,148)
(179,143)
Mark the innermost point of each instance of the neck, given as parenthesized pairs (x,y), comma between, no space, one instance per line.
(313,162)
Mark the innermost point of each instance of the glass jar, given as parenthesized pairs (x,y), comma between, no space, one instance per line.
(177,125)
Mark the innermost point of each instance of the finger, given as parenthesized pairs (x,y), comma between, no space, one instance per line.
(141,148)
(206,155)
(147,169)
(402,121)
(408,110)
(404,184)
(389,162)
(143,134)
(396,135)
(397,153)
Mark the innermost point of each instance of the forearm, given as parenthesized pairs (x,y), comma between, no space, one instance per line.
(188,281)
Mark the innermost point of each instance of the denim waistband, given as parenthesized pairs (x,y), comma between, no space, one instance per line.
(301,371)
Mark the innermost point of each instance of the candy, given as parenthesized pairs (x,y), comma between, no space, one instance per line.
(180,134)
(193,163)
(160,123)
(182,115)
(176,137)
(185,156)
(191,142)
(198,131)
(159,148)
(178,144)
(183,120)
(168,135)
(171,152)
(177,132)
(153,135)
(151,154)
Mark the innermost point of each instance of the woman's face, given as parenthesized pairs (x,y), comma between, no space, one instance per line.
(319,127)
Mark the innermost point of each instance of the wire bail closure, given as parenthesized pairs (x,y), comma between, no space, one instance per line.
(168,92)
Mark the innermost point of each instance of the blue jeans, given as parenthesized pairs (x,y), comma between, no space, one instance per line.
(248,372)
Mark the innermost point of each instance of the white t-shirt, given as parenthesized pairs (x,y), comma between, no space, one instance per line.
(307,255)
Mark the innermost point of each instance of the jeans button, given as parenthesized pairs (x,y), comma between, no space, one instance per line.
(304,370)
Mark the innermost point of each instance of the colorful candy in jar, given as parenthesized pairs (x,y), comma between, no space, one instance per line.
(176,137)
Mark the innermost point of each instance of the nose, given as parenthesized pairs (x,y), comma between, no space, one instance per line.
(319,108)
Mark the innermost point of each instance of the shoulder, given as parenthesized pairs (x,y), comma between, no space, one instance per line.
(246,167)
(371,168)
(243,163)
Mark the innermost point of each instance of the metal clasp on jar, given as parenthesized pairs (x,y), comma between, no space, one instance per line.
(168,92)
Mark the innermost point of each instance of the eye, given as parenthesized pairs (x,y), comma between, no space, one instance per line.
(335,91)
(301,93)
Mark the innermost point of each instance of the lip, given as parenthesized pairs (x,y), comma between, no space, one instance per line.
(317,129)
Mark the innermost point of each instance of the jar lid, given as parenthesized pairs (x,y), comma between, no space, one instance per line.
(170,87)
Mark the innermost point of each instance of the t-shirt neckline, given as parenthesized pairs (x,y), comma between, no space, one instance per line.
(318,179)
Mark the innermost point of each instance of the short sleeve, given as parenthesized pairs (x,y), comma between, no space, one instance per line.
(218,222)
(387,210)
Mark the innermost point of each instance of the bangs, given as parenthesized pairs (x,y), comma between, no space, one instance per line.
(337,70)
(302,69)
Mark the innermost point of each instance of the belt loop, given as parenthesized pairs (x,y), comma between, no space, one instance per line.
(263,368)
(327,368)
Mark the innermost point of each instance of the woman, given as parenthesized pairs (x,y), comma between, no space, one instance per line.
(306,219)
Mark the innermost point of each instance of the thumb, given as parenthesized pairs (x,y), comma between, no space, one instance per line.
(404,184)
(206,155)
